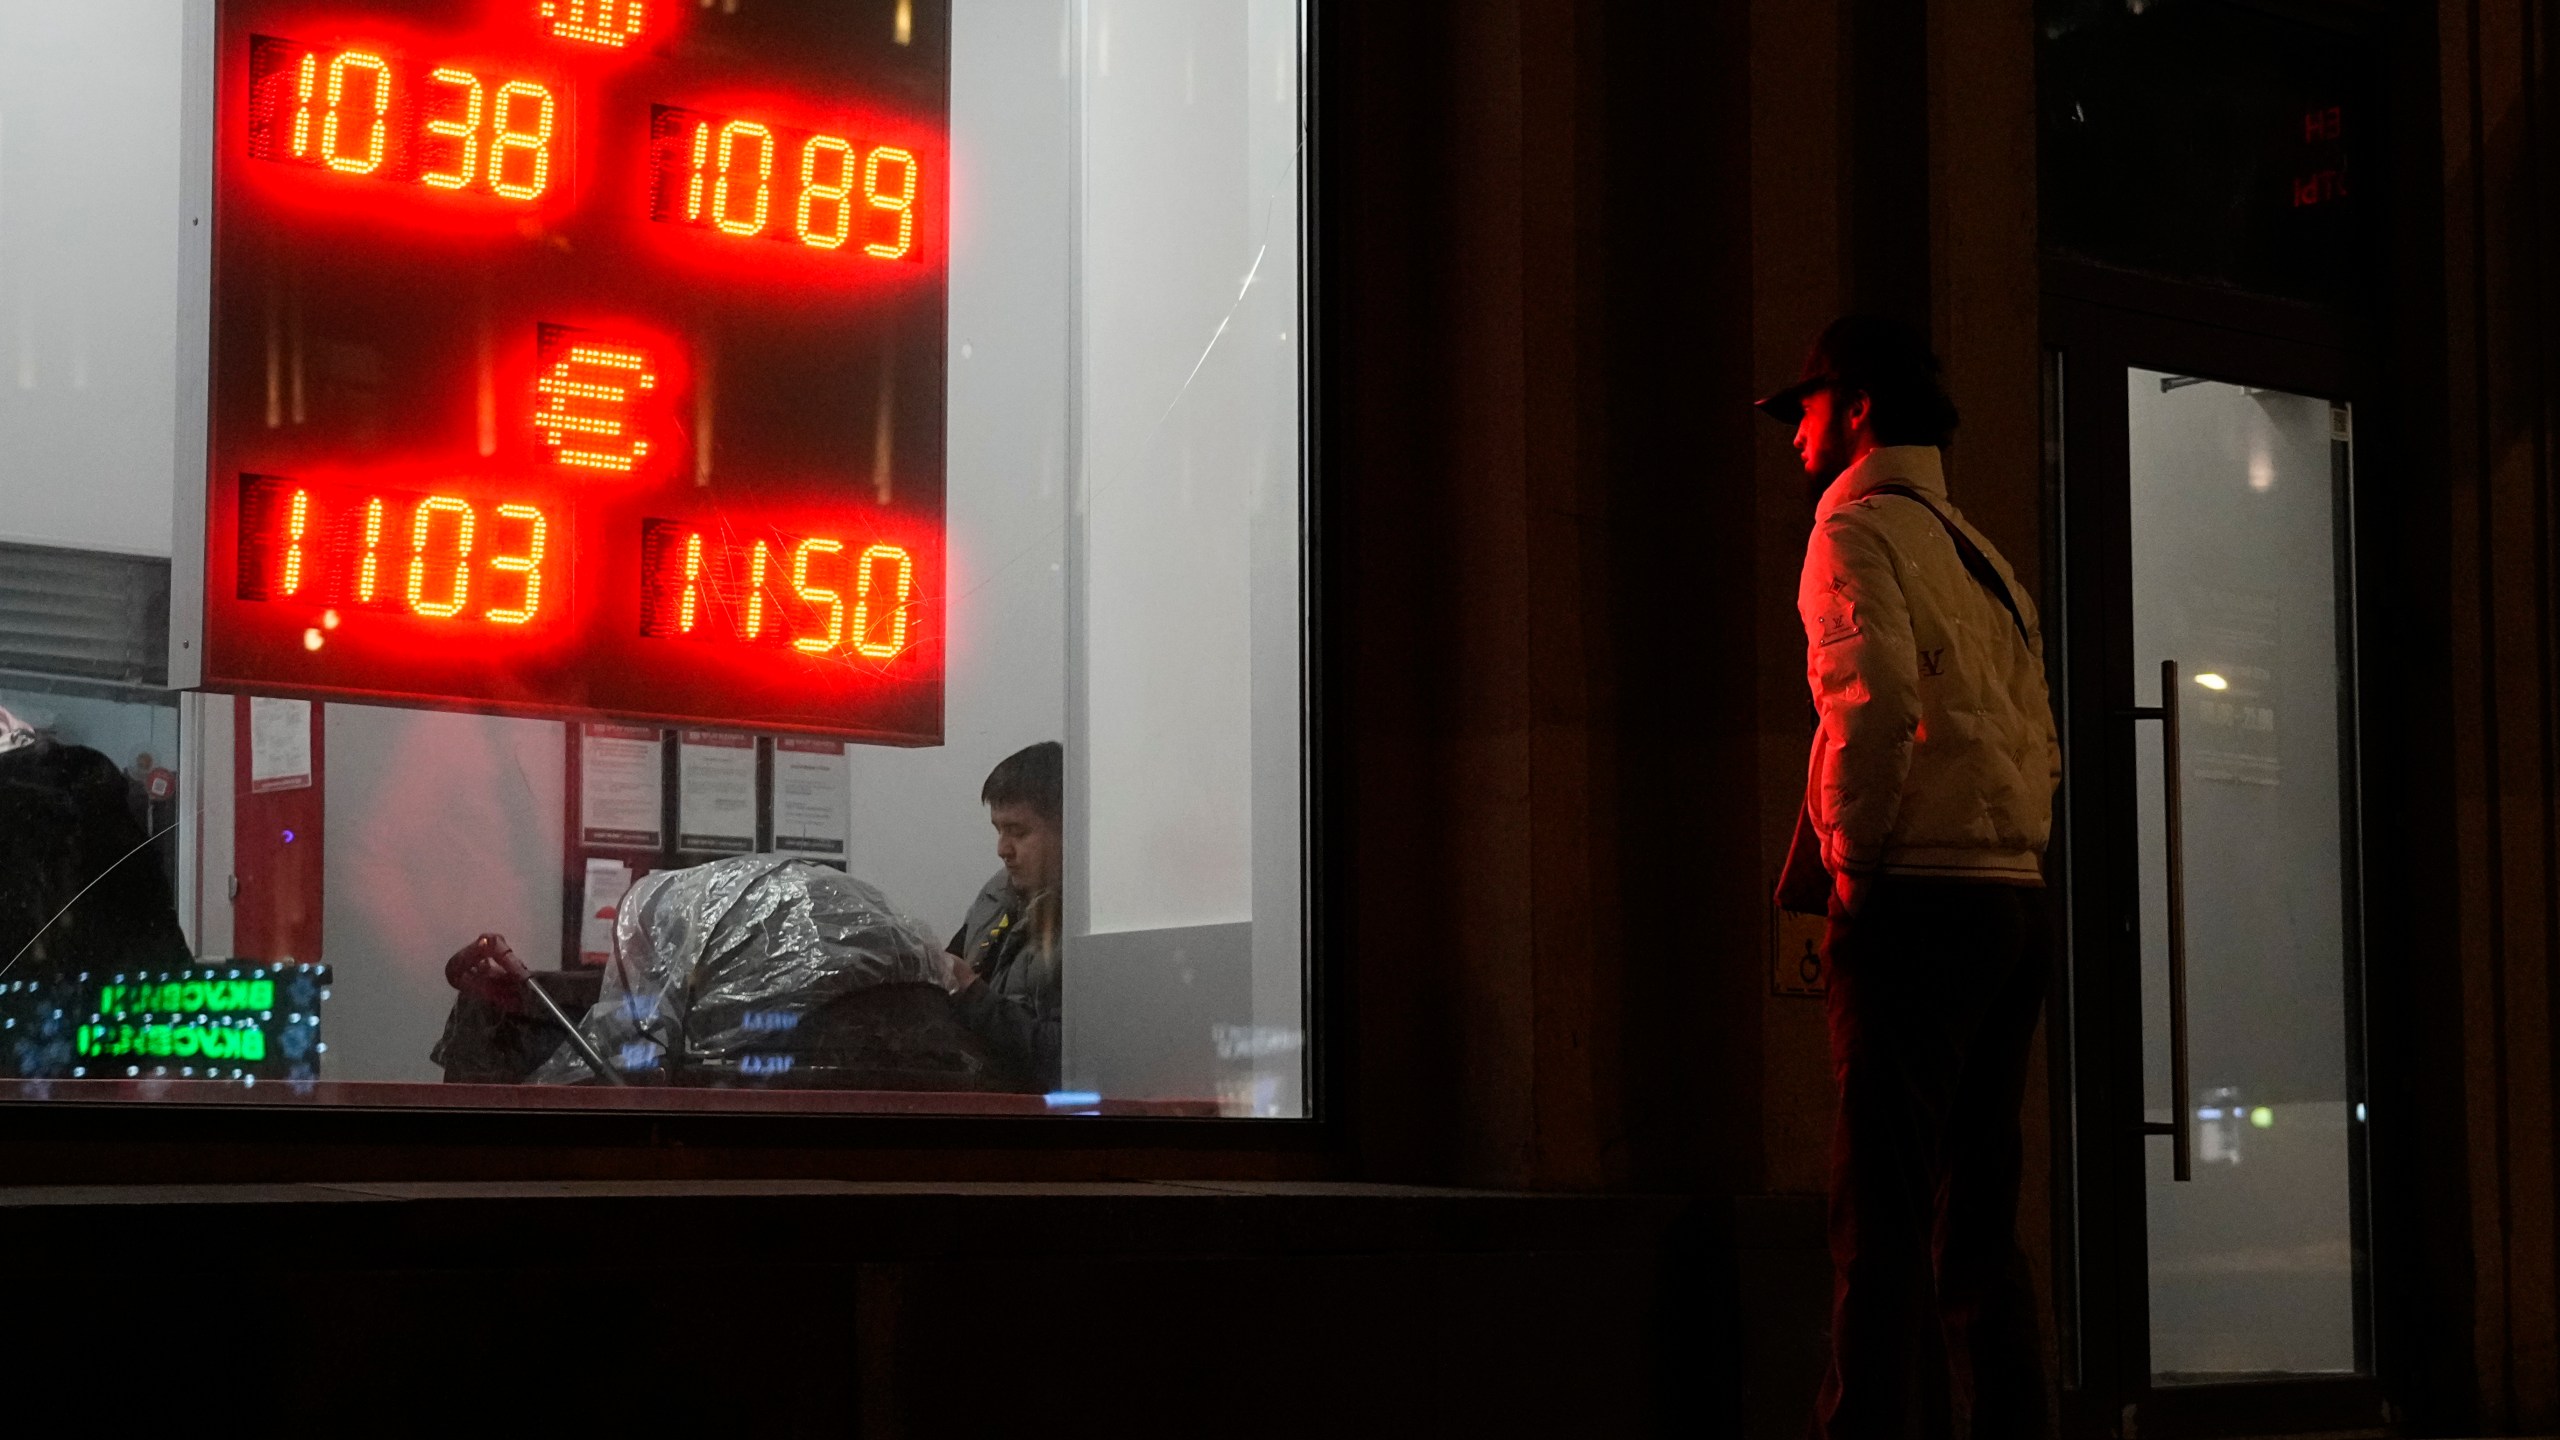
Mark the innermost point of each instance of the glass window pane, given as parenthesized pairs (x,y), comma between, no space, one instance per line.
(785,518)
(2238,499)
(2211,141)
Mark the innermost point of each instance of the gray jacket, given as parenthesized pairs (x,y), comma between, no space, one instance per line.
(1014,1007)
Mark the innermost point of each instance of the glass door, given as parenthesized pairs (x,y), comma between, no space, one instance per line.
(2242,638)
(2217,1274)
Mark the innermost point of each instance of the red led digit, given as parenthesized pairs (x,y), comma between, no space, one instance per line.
(811,614)
(906,584)
(597,22)
(421,525)
(581,397)
(755,593)
(306,78)
(534,140)
(446,127)
(300,541)
(371,568)
(692,583)
(818,596)
(299,520)
(701,163)
(529,564)
(466,130)
(836,192)
(902,204)
(730,135)
(377,133)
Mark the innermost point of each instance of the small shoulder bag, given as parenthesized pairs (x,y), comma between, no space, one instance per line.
(1976,563)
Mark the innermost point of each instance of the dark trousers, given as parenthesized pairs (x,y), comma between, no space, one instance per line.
(1934,991)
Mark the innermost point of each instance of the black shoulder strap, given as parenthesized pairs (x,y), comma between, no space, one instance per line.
(1975,561)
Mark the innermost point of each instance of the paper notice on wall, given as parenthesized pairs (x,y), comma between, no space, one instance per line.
(279,744)
(812,797)
(621,790)
(607,881)
(716,793)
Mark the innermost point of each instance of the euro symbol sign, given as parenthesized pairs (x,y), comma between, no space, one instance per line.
(587,398)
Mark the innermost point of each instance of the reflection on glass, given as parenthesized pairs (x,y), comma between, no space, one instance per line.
(88,859)
(1096,532)
(2236,495)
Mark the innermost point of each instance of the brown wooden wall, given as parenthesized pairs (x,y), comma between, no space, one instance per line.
(1567,547)
(2500,714)
(1544,545)
(1577,682)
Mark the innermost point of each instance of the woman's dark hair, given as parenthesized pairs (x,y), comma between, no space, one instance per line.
(1036,776)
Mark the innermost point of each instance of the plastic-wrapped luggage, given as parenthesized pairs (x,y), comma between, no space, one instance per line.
(768,970)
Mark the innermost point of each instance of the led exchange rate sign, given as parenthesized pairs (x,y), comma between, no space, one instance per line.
(356,112)
(579,357)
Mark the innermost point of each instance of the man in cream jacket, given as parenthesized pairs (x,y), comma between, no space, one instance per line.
(1928,801)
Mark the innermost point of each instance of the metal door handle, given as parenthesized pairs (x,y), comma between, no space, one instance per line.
(2180,1126)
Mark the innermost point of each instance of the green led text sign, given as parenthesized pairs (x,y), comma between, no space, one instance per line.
(239,1020)
(173,1042)
(188,997)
